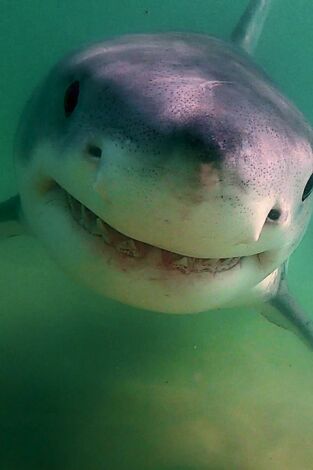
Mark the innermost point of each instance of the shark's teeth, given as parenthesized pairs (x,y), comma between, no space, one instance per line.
(129,247)
(102,230)
(186,264)
(75,207)
(183,264)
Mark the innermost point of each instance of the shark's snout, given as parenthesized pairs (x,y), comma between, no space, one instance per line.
(202,209)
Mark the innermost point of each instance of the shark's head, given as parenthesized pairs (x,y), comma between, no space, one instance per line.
(165,171)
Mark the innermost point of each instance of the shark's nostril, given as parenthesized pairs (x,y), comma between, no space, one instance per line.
(274,215)
(94,150)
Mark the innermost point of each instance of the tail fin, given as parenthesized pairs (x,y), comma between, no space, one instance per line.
(10,218)
(249,28)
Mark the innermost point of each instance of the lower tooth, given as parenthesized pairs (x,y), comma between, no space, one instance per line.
(197,266)
(75,207)
(87,219)
(184,264)
(188,265)
(100,229)
(83,214)
(128,247)
(205,265)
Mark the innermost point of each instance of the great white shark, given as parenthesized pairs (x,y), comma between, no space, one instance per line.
(168,172)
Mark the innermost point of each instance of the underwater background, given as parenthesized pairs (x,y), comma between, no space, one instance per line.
(89,384)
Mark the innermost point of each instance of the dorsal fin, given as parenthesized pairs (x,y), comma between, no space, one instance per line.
(248,30)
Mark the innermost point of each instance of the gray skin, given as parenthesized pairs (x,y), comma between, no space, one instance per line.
(180,142)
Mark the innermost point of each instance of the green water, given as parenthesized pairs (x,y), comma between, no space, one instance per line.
(90,384)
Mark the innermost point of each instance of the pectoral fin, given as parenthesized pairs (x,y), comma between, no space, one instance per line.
(283,310)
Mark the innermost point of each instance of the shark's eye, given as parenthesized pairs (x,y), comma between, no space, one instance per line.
(308,188)
(71,98)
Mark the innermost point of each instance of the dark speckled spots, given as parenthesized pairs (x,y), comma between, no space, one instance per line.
(183,98)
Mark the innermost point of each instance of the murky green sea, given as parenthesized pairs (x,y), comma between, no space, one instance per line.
(88,384)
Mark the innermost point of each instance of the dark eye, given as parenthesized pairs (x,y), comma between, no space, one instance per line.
(71,98)
(308,188)
(274,214)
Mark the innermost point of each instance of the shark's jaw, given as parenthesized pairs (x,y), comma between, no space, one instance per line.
(130,250)
(132,271)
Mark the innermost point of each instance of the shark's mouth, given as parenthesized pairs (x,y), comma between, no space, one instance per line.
(128,247)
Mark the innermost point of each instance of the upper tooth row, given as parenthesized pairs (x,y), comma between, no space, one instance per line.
(87,219)
(96,226)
